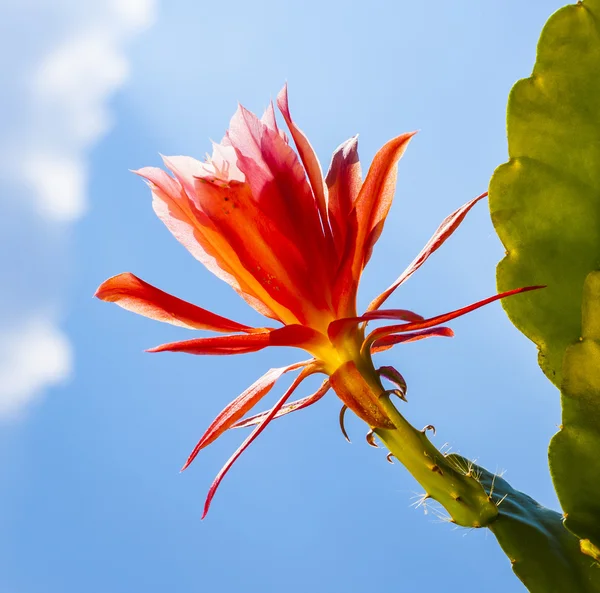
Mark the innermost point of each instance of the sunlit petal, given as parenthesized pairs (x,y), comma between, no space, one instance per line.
(240,406)
(448,226)
(288,408)
(132,293)
(263,424)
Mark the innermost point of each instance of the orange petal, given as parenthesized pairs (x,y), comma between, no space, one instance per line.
(387,342)
(448,226)
(132,293)
(299,404)
(433,321)
(217,481)
(240,406)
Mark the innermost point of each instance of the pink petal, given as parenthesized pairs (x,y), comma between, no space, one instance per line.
(273,412)
(288,408)
(268,118)
(240,406)
(448,226)
(132,293)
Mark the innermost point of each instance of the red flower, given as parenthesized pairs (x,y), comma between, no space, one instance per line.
(293,245)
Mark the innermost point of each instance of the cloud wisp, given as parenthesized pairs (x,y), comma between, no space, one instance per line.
(55,110)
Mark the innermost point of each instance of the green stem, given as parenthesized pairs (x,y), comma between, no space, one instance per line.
(454,485)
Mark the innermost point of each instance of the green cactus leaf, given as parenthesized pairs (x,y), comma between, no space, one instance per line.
(544,554)
(545,205)
(575,449)
(545,202)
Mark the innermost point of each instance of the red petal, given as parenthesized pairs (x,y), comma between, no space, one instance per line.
(240,406)
(308,157)
(288,408)
(132,293)
(272,413)
(448,226)
(339,326)
(387,342)
(298,336)
(432,321)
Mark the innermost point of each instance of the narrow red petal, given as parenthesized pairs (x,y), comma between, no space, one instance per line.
(132,293)
(240,406)
(221,345)
(288,408)
(298,336)
(448,226)
(272,413)
(387,342)
(339,326)
(432,321)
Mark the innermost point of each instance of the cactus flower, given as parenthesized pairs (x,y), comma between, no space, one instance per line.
(293,244)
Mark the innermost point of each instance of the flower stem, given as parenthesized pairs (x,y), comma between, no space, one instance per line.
(455,486)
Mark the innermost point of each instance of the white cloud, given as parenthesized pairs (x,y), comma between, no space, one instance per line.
(32,357)
(66,91)
(53,112)
(58,183)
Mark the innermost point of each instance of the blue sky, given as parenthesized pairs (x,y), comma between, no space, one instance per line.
(93,430)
